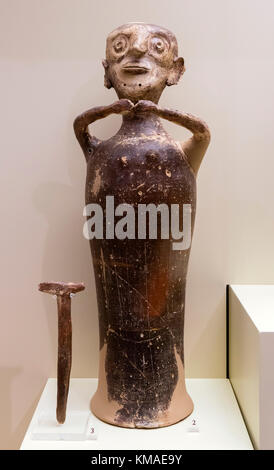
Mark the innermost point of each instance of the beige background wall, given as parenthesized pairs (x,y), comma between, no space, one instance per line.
(51,70)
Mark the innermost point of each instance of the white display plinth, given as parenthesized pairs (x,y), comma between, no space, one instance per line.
(77,427)
(218,422)
(251,357)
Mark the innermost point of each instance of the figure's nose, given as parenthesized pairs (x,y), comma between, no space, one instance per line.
(138,48)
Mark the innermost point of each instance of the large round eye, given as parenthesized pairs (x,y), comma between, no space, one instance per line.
(158,45)
(120,44)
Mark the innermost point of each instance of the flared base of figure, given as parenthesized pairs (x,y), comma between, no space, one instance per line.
(145,411)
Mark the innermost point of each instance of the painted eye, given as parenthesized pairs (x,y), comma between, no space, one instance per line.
(120,44)
(158,45)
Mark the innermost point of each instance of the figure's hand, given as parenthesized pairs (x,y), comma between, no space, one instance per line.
(122,106)
(145,106)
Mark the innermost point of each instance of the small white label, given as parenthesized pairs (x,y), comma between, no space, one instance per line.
(91,433)
(194,426)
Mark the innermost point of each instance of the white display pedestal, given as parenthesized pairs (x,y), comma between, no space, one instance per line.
(251,358)
(218,421)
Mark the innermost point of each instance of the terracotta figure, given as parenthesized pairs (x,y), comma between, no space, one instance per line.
(141,282)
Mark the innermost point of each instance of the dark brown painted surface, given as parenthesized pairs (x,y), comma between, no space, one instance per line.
(141,283)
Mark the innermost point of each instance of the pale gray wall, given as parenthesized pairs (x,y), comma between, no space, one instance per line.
(51,70)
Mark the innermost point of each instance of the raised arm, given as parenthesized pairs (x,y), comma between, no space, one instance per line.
(86,140)
(195,147)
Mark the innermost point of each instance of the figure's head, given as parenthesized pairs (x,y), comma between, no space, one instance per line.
(141,59)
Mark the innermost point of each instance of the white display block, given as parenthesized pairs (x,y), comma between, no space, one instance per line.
(251,357)
(77,427)
(216,422)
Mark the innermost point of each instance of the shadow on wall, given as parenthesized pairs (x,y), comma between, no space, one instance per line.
(7,376)
(204,342)
(10,437)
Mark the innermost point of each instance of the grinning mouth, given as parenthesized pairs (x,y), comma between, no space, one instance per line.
(135,68)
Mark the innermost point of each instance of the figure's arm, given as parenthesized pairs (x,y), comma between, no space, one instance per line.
(81,123)
(195,147)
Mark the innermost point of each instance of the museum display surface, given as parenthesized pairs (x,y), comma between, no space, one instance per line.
(216,422)
(141,281)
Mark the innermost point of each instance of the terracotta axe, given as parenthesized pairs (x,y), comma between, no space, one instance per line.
(63,291)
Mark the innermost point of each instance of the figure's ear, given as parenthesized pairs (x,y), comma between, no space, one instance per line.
(176,72)
(107,81)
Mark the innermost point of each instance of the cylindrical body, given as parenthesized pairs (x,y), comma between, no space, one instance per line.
(141,282)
